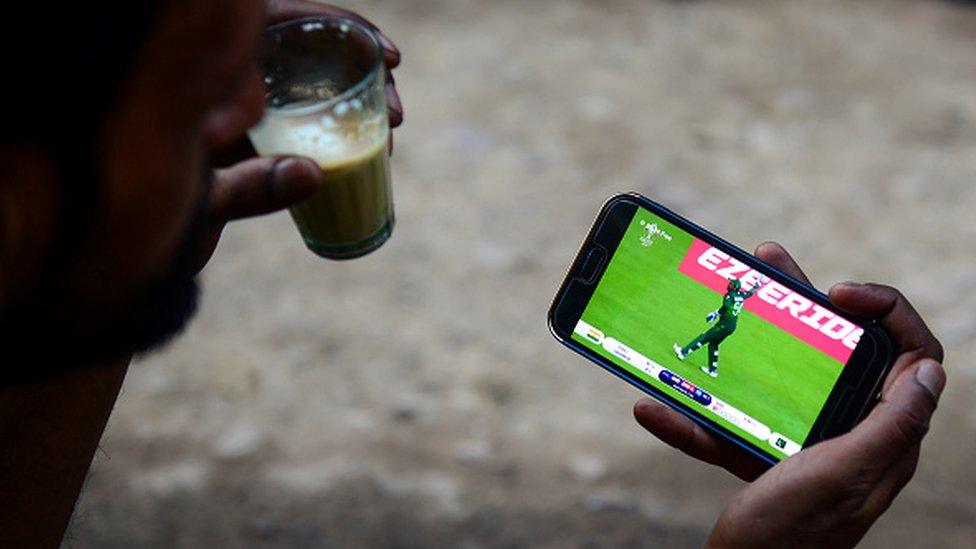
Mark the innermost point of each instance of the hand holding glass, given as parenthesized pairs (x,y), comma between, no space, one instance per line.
(326,101)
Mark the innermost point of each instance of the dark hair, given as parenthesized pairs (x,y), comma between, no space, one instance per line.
(65,68)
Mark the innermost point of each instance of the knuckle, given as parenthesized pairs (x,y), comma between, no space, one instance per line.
(852,495)
(911,425)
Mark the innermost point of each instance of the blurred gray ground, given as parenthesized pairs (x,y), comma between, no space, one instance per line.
(415,398)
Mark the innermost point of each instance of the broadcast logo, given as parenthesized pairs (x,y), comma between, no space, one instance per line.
(651,233)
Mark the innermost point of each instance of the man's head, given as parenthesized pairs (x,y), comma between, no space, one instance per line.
(104,186)
(734,285)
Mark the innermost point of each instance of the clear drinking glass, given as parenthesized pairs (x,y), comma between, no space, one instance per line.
(325,100)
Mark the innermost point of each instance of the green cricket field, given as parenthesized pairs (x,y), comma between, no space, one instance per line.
(646,303)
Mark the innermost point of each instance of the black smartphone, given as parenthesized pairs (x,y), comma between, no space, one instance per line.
(746,351)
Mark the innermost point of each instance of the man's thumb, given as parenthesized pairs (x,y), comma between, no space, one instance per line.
(901,419)
(262,185)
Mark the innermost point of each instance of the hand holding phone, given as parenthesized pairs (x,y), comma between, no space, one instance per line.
(844,484)
(640,272)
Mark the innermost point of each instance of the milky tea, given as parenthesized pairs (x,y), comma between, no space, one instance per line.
(326,101)
(353,212)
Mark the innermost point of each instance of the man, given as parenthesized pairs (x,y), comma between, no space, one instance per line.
(728,318)
(108,207)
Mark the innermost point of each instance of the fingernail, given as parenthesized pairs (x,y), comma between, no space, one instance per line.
(930,375)
(849,285)
(294,168)
(393,99)
(387,44)
(647,403)
(289,171)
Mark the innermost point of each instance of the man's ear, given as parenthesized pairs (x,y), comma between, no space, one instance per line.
(30,202)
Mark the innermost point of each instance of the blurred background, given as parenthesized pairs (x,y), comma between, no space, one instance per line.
(415,397)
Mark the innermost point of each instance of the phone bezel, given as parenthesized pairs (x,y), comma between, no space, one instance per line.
(855,390)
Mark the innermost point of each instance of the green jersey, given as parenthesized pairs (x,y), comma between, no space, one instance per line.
(732,304)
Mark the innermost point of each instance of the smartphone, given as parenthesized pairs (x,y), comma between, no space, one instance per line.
(750,353)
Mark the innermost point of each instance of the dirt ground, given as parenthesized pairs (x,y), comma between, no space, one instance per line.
(414,398)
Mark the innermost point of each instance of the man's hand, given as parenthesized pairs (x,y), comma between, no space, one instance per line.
(711,316)
(257,186)
(831,493)
(283,10)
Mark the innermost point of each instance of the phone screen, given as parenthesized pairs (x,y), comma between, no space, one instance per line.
(731,342)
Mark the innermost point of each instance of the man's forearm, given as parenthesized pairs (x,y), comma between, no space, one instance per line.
(49,431)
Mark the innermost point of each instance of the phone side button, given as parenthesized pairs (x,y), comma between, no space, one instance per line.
(594,260)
